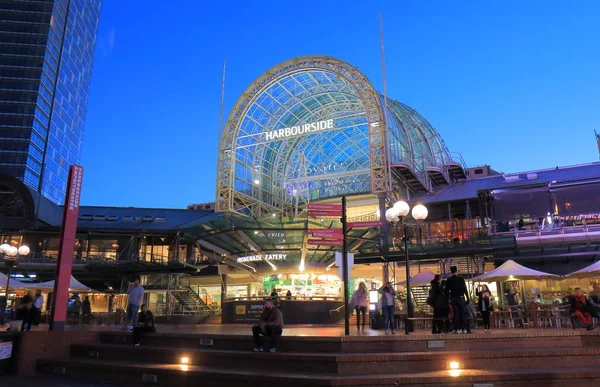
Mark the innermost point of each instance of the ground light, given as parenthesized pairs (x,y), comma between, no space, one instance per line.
(454,365)
(184,367)
(455,373)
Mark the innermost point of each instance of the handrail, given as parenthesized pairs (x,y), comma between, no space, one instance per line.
(284,298)
(336,310)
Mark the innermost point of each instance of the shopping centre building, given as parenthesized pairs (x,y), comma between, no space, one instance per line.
(310,131)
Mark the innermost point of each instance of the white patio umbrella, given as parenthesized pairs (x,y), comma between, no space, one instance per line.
(592,270)
(512,270)
(422,278)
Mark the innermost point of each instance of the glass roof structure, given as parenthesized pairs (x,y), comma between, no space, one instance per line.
(314,128)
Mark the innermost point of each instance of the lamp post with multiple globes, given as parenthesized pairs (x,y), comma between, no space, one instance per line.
(396,216)
(9,254)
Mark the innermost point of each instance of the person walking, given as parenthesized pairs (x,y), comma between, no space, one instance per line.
(86,311)
(38,304)
(388,305)
(26,310)
(136,295)
(270,324)
(439,303)
(359,302)
(484,305)
(459,297)
(145,325)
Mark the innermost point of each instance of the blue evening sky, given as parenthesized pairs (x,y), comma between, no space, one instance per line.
(513,84)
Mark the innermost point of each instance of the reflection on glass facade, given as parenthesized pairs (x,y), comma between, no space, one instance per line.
(46,58)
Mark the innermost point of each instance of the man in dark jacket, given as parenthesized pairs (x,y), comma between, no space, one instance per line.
(594,301)
(145,324)
(270,324)
(459,297)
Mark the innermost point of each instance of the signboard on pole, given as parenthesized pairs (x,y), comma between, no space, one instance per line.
(339,263)
(325,207)
(319,213)
(326,242)
(374,223)
(336,233)
(65,253)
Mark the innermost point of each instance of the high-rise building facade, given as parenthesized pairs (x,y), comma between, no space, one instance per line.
(46,57)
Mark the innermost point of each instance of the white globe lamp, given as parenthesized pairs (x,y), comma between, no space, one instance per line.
(402,208)
(4,248)
(12,251)
(419,212)
(24,250)
(391,215)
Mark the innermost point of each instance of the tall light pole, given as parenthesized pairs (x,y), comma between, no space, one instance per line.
(396,216)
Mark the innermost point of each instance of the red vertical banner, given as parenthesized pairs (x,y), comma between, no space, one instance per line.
(64,265)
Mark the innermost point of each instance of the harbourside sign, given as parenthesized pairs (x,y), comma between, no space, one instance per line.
(298,130)
(265,257)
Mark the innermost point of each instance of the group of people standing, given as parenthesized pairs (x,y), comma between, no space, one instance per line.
(450,301)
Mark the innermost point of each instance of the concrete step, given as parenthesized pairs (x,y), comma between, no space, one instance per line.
(129,373)
(346,364)
(518,339)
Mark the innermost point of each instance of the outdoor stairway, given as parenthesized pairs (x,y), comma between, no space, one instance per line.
(420,294)
(520,358)
(190,301)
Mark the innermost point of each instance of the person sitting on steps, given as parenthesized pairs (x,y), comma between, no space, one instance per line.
(270,324)
(145,325)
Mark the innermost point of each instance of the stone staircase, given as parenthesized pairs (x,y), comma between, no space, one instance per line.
(520,358)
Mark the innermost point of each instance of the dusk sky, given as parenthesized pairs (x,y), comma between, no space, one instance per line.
(513,84)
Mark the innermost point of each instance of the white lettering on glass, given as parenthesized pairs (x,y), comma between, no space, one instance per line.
(298,129)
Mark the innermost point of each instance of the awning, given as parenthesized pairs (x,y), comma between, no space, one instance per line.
(512,270)
(74,286)
(592,270)
(14,284)
(423,278)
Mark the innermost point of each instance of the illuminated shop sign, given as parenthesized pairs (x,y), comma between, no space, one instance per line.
(265,257)
(298,130)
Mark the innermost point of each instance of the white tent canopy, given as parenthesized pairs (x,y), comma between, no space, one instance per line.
(592,270)
(14,284)
(512,269)
(423,278)
(74,286)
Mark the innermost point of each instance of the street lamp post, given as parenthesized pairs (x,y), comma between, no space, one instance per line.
(11,252)
(396,215)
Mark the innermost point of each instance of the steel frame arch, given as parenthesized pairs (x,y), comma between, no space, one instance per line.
(229,200)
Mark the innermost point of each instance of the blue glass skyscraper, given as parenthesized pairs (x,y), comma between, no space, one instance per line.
(46,58)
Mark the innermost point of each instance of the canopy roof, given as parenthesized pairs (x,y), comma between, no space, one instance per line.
(422,278)
(512,269)
(592,270)
(74,286)
(14,284)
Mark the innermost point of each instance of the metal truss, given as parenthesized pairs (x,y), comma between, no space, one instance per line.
(288,94)
(260,176)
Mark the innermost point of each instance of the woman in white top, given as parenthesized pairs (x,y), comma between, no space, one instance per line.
(359,302)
